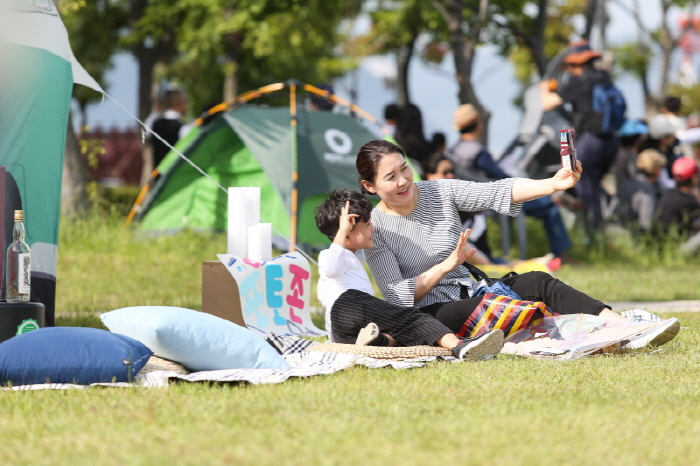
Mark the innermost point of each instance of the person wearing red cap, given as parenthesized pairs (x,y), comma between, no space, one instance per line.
(596,149)
(679,208)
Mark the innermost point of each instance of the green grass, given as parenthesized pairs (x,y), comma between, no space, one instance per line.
(625,410)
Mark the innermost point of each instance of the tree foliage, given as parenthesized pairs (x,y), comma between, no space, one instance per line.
(634,57)
(224,47)
(395,28)
(93,27)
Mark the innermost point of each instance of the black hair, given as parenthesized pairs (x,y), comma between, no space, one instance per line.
(391,112)
(672,104)
(470,128)
(687,183)
(431,165)
(438,140)
(323,103)
(409,133)
(172,97)
(631,140)
(328,212)
(368,159)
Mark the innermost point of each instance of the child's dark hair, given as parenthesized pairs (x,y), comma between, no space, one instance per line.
(328,212)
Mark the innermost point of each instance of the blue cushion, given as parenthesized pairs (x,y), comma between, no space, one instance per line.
(197,340)
(70,355)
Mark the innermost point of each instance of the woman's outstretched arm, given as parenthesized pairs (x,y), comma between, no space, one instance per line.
(525,189)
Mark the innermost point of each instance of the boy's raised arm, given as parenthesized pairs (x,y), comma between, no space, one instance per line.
(346,223)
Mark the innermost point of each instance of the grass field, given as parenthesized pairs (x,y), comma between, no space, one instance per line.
(636,410)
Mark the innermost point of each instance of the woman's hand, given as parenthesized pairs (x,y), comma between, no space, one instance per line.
(461,252)
(429,279)
(565,178)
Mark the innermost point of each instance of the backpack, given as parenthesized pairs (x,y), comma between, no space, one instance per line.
(609,101)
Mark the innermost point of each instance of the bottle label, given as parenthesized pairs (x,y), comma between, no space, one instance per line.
(24,273)
(27,325)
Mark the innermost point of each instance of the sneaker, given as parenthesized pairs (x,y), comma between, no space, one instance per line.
(367,335)
(661,333)
(482,347)
(640,316)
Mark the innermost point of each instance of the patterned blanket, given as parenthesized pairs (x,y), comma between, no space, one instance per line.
(558,337)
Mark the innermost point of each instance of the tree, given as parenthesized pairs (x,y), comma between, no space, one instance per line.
(223,46)
(94,31)
(151,39)
(396,27)
(663,37)
(93,28)
(532,37)
(465,21)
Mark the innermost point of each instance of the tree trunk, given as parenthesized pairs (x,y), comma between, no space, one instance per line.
(232,45)
(668,43)
(147,57)
(590,15)
(403,59)
(74,200)
(537,41)
(463,54)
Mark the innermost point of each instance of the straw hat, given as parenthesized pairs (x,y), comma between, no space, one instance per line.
(580,53)
(649,160)
(465,115)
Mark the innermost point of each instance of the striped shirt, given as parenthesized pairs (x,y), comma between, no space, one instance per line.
(407,246)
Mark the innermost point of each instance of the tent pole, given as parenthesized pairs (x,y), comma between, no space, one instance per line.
(295,174)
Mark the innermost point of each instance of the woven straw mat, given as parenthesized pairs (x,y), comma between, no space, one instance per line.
(384,352)
(159,364)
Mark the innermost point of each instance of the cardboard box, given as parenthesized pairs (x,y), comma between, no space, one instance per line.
(220,295)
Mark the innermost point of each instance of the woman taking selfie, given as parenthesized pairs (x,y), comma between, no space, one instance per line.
(415,259)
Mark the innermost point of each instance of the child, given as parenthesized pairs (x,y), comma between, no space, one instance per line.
(346,292)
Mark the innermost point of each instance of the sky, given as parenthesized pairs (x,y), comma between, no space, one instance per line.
(432,89)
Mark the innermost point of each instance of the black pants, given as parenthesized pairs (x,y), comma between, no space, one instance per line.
(531,286)
(354,309)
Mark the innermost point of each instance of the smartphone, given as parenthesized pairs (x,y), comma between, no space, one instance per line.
(567,148)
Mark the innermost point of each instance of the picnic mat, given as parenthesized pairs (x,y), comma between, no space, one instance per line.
(573,336)
(383,352)
(563,337)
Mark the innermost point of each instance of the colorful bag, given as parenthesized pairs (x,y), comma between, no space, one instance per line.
(508,314)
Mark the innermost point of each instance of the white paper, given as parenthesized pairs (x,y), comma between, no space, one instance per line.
(260,242)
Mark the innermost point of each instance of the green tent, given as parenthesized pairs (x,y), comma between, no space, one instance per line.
(296,156)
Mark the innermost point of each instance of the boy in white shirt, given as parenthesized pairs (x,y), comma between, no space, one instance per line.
(353,313)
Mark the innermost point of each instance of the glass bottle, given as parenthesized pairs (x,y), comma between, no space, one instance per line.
(18,264)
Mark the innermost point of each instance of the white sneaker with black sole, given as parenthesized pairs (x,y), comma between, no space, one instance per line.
(367,335)
(659,334)
(481,347)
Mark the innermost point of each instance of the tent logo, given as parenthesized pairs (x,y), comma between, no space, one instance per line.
(35,6)
(340,144)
